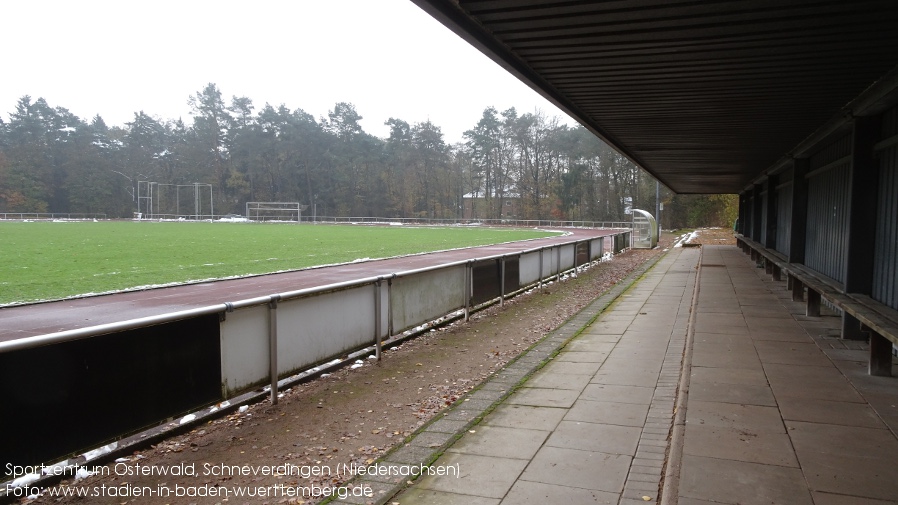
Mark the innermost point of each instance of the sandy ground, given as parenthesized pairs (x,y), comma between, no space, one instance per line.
(356,415)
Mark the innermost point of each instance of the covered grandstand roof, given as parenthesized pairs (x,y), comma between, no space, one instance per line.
(705,95)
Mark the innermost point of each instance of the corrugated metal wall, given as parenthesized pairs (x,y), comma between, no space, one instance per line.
(827,233)
(750,217)
(885,262)
(784,211)
(763,217)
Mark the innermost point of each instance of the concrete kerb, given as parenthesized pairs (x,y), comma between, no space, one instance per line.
(671,474)
(550,345)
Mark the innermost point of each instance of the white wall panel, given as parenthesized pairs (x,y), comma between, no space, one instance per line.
(244,349)
(315,328)
(427,296)
(528,268)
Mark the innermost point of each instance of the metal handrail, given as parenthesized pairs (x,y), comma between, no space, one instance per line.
(52,215)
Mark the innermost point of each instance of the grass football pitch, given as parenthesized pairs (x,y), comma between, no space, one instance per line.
(52,260)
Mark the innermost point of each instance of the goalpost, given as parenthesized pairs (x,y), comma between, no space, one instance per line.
(274,211)
(157,200)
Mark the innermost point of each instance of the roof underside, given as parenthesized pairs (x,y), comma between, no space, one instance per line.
(704,95)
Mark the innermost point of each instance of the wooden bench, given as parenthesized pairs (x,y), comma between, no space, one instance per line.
(864,316)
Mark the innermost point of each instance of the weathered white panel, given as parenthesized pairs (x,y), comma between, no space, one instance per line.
(596,248)
(550,261)
(423,297)
(319,327)
(567,256)
(244,349)
(528,268)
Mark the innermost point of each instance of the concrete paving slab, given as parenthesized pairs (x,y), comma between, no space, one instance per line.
(791,353)
(773,311)
(754,377)
(579,469)
(724,323)
(829,388)
(502,442)
(540,397)
(738,482)
(767,322)
(836,499)
(525,416)
(605,438)
(725,358)
(538,493)
(643,378)
(544,379)
(693,501)
(730,308)
(816,410)
(762,298)
(621,414)
(843,441)
(754,418)
(849,475)
(599,338)
(744,394)
(485,476)
(608,328)
(420,495)
(650,325)
(615,393)
(582,357)
(571,368)
(740,444)
(860,356)
(785,336)
(718,342)
(588,345)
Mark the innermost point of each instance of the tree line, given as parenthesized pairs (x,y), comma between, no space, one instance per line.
(53,161)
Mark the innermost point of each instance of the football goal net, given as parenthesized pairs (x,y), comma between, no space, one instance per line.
(274,211)
(174,201)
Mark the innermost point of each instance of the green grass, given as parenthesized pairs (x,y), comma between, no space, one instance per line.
(52,260)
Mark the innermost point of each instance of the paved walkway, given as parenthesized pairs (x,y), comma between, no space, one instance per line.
(774,407)
(780,410)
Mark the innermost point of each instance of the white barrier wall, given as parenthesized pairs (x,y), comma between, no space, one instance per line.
(244,349)
(426,296)
(319,326)
(310,330)
(596,248)
(528,268)
(315,328)
(568,252)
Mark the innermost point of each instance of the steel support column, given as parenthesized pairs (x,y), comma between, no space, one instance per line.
(756,213)
(799,223)
(273,348)
(862,206)
(772,182)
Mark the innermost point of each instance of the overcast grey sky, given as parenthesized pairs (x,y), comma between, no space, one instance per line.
(387,57)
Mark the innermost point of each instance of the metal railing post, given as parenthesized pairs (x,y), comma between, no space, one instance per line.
(558,263)
(540,285)
(273,347)
(390,306)
(377,319)
(468,282)
(502,281)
